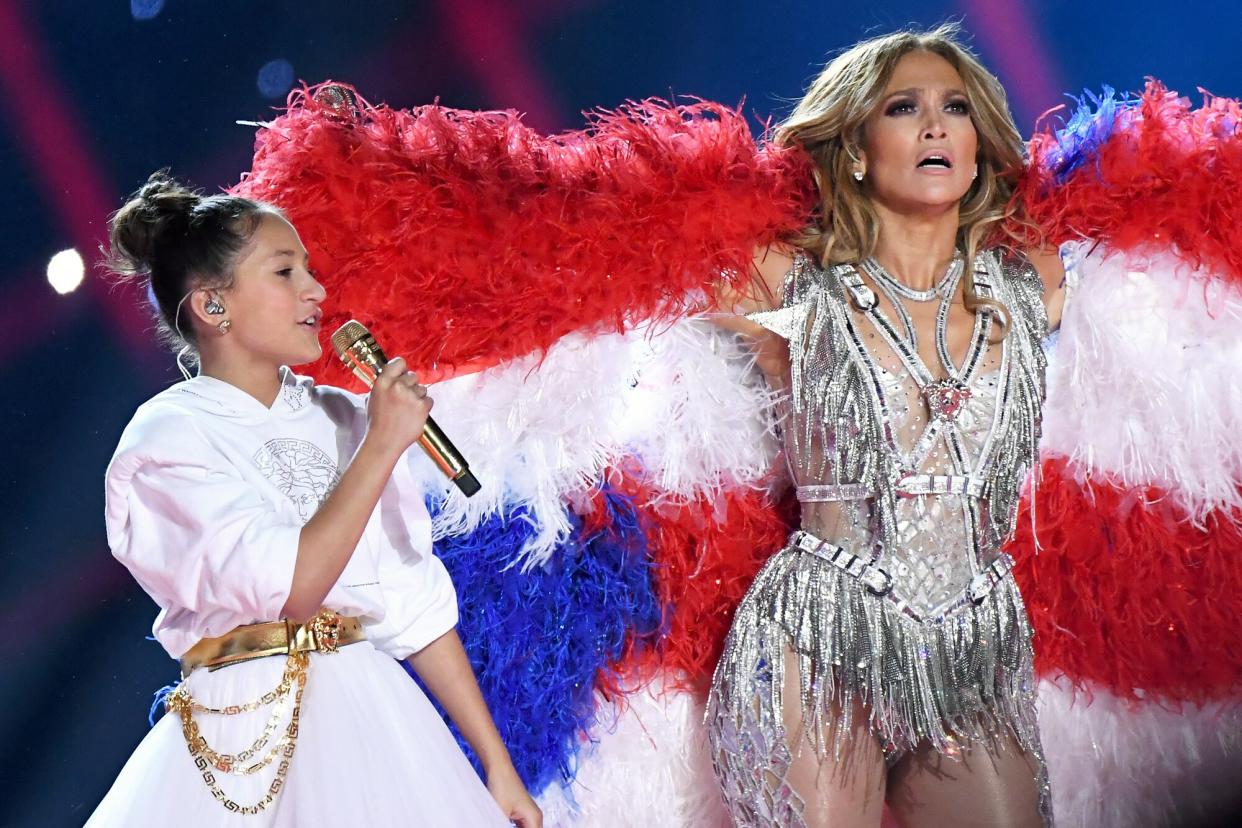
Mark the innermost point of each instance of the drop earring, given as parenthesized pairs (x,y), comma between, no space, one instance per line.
(975,174)
(858,174)
(224,326)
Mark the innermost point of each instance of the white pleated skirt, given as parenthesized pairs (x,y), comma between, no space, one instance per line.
(371,751)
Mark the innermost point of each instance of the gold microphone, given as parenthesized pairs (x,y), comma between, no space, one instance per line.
(359,351)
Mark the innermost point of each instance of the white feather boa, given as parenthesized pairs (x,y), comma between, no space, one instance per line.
(1146,385)
(1118,764)
(683,401)
(647,765)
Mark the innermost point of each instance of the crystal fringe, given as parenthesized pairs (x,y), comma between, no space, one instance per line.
(949,681)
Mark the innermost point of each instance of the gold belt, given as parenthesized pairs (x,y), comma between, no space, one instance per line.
(324,633)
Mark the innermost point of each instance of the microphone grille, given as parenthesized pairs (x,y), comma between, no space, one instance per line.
(359,351)
(347,335)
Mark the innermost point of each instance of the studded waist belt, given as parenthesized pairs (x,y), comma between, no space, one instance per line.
(911,485)
(872,577)
(878,581)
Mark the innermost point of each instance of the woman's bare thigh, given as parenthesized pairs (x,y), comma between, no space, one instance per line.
(838,773)
(992,783)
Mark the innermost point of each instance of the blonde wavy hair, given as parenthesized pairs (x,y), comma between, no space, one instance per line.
(828,124)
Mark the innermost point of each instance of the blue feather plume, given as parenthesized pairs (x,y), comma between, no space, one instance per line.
(1095,120)
(538,639)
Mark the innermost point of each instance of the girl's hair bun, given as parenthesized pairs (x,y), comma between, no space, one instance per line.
(157,214)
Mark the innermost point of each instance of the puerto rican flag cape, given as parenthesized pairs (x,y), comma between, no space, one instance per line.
(631,483)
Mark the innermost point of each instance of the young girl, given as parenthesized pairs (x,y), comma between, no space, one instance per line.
(278,527)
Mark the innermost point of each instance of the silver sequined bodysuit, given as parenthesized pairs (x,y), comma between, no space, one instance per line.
(895,593)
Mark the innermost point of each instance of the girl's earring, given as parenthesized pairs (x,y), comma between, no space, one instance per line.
(858,174)
(975,174)
(224,326)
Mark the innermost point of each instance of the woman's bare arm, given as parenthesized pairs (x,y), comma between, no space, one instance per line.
(1052,273)
(771,264)
(445,669)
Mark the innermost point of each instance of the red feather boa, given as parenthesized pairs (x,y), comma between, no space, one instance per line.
(1127,594)
(706,556)
(1169,176)
(467,238)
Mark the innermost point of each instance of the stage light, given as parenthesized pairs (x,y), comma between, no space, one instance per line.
(275,78)
(65,271)
(145,9)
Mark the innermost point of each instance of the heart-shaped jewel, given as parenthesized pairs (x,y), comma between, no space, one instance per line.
(945,398)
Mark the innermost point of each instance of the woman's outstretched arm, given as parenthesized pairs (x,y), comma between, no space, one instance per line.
(1052,273)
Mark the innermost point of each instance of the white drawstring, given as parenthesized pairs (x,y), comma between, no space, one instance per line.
(185,372)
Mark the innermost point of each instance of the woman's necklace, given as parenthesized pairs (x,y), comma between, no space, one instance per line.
(881,276)
(894,290)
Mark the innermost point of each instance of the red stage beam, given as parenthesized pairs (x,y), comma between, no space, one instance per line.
(1017,51)
(56,146)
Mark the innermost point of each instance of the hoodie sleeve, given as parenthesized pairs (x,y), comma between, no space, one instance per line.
(194,534)
(419,599)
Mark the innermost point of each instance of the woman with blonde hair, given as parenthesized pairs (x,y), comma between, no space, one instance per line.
(885,653)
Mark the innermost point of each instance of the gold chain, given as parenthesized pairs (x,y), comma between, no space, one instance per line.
(209,761)
(326,630)
(229,762)
(286,681)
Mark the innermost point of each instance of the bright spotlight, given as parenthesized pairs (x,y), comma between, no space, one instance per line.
(65,271)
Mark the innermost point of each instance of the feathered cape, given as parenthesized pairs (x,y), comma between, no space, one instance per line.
(626,450)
